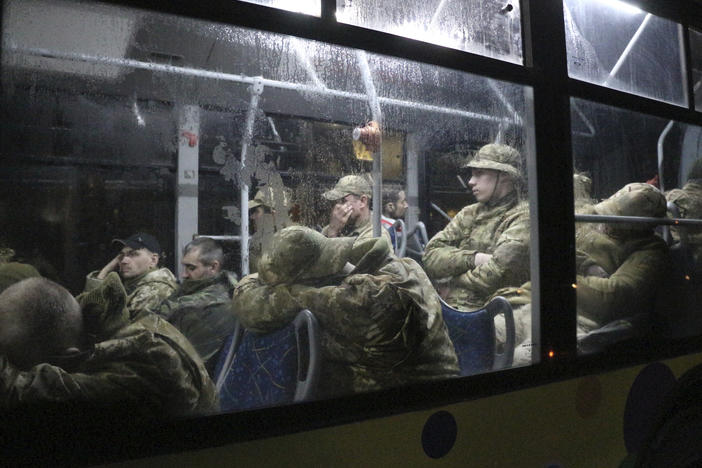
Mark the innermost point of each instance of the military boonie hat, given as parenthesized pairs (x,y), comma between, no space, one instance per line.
(298,252)
(635,199)
(497,157)
(272,198)
(349,185)
(140,240)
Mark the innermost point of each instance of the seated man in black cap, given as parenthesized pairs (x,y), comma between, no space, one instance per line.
(137,263)
(56,349)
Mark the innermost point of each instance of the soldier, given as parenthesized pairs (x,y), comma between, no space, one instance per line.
(146,284)
(201,307)
(351,215)
(56,349)
(379,316)
(689,203)
(269,212)
(619,269)
(394,205)
(486,245)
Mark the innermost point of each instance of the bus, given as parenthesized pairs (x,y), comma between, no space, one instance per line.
(168,118)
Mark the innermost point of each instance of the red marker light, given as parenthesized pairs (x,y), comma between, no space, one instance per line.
(551,354)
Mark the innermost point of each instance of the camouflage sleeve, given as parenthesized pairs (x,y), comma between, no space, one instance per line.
(92,281)
(442,256)
(150,296)
(348,309)
(263,308)
(509,264)
(629,288)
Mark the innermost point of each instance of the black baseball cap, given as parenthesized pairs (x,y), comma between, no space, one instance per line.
(140,240)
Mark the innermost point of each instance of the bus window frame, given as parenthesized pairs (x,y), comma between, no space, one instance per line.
(553,234)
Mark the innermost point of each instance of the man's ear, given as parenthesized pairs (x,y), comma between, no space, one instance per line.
(215,265)
(389,207)
(154,259)
(365,200)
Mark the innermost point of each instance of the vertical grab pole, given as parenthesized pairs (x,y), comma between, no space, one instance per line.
(255,89)
(374,104)
(188,177)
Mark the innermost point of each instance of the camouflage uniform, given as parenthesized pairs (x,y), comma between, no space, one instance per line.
(278,202)
(499,228)
(14,272)
(354,185)
(201,310)
(142,362)
(634,259)
(689,202)
(380,320)
(145,292)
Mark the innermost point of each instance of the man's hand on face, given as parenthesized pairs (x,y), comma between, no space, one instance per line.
(481,258)
(339,218)
(113,265)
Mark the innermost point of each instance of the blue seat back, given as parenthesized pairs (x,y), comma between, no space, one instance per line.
(272,368)
(473,336)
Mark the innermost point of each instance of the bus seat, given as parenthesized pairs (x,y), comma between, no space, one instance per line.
(226,354)
(417,240)
(273,368)
(473,336)
(399,239)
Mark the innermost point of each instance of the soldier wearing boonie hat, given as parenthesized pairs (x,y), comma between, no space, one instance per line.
(486,245)
(379,316)
(351,215)
(621,267)
(269,212)
(137,264)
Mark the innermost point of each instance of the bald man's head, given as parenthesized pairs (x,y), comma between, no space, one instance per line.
(39,319)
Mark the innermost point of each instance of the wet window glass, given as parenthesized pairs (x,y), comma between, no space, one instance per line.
(249,188)
(486,27)
(637,194)
(696,65)
(614,44)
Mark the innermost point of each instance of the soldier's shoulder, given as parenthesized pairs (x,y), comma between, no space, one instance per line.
(162,275)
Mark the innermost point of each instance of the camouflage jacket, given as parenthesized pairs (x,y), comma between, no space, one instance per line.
(689,202)
(201,310)
(381,325)
(363,230)
(143,362)
(500,229)
(144,292)
(635,265)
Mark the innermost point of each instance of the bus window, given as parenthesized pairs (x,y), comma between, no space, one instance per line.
(486,27)
(634,281)
(696,53)
(614,44)
(143,122)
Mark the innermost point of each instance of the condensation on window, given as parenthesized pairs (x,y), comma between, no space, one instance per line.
(696,65)
(614,44)
(487,27)
(143,122)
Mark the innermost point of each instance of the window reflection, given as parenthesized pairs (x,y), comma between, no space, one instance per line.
(635,278)
(269,145)
(614,44)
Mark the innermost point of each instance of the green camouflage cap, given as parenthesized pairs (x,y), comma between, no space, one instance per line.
(497,157)
(272,198)
(635,199)
(299,253)
(349,185)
